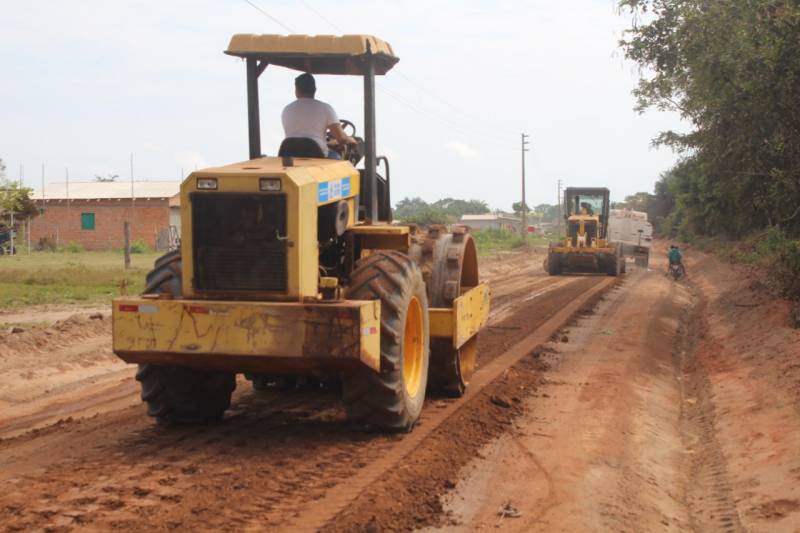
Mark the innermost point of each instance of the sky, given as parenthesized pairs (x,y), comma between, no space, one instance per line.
(88,83)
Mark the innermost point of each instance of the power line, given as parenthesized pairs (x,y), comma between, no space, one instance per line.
(273,19)
(418,86)
(448,103)
(323,17)
(398,98)
(441,118)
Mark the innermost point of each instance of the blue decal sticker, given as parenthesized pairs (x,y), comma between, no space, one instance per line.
(322,192)
(333,190)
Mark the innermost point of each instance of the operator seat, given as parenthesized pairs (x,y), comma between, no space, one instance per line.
(300,147)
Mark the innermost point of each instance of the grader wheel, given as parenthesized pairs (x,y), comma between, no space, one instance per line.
(391,399)
(553,264)
(174,394)
(449,263)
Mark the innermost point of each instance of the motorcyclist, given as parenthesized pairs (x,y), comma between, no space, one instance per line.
(675,258)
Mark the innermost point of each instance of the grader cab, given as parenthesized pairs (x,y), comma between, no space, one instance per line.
(586,247)
(289,266)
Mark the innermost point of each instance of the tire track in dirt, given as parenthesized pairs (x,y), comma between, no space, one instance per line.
(270,460)
(408,493)
(709,495)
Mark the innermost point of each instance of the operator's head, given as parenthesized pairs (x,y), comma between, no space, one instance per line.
(305,86)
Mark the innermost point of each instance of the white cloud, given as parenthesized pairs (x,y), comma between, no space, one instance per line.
(461,149)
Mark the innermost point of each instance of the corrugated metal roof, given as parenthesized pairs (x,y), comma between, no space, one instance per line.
(97,190)
(488,216)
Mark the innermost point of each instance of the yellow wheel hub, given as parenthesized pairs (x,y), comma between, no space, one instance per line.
(413,348)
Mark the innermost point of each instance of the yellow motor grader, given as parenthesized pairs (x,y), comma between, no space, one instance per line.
(586,247)
(290,266)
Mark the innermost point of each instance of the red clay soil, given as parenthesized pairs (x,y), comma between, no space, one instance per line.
(745,377)
(269,461)
(673,407)
(410,497)
(72,330)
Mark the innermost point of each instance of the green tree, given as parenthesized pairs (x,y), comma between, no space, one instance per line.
(516,207)
(15,198)
(547,212)
(732,70)
(458,207)
(444,211)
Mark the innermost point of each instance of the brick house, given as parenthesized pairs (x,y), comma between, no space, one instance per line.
(92,214)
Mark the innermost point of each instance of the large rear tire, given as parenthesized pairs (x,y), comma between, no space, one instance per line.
(553,264)
(175,394)
(392,398)
(615,262)
(180,395)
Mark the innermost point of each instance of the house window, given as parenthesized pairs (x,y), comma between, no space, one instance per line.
(87,220)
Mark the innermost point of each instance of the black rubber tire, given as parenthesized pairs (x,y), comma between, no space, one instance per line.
(614,262)
(380,400)
(612,266)
(181,395)
(175,394)
(166,276)
(167,258)
(553,264)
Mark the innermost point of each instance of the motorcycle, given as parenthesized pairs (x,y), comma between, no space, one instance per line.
(676,271)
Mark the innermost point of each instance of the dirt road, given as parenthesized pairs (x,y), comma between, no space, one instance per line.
(673,407)
(82,452)
(631,420)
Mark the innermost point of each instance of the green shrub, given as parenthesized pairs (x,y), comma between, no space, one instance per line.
(139,247)
(784,272)
(73,247)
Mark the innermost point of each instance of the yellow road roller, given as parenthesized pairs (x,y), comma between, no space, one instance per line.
(290,267)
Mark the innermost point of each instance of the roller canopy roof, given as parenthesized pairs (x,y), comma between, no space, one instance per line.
(317,54)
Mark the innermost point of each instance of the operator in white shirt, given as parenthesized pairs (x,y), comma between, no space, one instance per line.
(310,118)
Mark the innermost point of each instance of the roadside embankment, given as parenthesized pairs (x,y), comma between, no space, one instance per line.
(742,385)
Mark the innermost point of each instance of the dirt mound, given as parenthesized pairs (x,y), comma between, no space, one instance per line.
(23,340)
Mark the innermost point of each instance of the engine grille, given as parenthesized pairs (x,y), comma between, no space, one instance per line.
(591,232)
(239,242)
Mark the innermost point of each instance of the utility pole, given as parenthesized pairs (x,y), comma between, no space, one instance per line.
(523,207)
(133,198)
(559,204)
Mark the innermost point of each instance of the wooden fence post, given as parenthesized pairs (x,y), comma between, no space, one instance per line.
(127,232)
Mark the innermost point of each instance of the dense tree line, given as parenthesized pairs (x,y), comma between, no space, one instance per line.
(449,210)
(731,68)
(445,211)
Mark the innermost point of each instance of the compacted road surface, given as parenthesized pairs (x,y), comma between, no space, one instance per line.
(635,404)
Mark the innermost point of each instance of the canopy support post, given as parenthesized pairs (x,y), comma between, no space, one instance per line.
(370,159)
(254,70)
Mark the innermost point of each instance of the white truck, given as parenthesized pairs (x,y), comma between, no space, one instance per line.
(632,230)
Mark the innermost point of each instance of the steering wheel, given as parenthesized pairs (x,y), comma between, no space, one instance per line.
(347,124)
(333,144)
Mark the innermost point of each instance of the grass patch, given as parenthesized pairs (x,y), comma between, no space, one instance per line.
(71,277)
(490,241)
